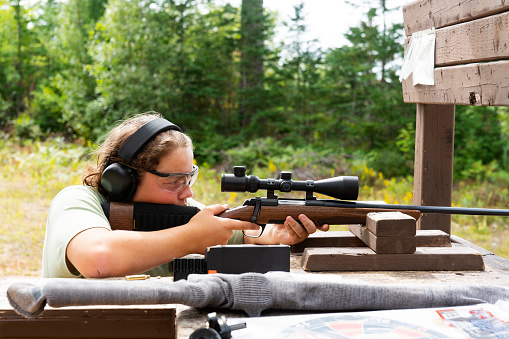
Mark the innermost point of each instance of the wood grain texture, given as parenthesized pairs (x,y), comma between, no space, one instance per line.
(387,224)
(329,239)
(424,14)
(319,215)
(433,169)
(91,323)
(432,238)
(479,84)
(384,244)
(423,238)
(480,40)
(364,259)
(121,216)
(476,41)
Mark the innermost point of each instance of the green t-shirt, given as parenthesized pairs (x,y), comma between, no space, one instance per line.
(74,210)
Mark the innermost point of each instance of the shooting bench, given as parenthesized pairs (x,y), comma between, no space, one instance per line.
(471,67)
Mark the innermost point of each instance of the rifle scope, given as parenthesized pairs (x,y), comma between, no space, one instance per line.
(343,187)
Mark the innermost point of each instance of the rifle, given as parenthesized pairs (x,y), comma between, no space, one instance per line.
(266,210)
(322,211)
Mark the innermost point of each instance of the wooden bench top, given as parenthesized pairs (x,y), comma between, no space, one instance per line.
(189,319)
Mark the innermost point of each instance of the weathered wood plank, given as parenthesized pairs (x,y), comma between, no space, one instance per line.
(91,323)
(384,244)
(434,152)
(481,40)
(388,224)
(364,259)
(432,238)
(329,239)
(423,238)
(484,84)
(425,14)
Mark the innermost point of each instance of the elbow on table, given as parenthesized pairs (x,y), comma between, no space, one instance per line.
(97,263)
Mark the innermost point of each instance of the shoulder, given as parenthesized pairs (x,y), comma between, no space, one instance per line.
(80,191)
(73,210)
(77,199)
(78,194)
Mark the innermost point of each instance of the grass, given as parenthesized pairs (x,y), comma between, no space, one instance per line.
(32,173)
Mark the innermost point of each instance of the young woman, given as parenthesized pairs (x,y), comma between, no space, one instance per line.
(159,169)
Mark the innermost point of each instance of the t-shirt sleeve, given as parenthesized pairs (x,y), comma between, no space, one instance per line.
(74,210)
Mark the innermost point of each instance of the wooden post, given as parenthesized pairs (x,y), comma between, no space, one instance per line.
(434,153)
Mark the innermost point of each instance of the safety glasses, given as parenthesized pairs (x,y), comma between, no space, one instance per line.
(176,182)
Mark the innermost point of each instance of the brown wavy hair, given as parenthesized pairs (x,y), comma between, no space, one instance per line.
(147,159)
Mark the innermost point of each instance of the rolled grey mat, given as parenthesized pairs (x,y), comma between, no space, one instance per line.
(250,292)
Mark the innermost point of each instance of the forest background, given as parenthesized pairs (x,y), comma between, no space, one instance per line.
(69,70)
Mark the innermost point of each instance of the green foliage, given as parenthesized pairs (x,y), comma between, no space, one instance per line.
(47,165)
(277,156)
(25,128)
(481,141)
(73,68)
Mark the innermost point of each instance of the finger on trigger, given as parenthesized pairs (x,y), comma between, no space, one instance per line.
(246,225)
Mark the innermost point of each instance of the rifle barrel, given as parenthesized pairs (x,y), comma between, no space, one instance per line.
(424,209)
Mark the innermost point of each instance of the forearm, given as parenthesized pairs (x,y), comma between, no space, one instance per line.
(103,253)
(99,252)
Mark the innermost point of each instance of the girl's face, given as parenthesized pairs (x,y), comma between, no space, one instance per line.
(151,190)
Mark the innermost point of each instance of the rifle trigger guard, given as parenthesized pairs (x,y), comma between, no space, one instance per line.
(256,211)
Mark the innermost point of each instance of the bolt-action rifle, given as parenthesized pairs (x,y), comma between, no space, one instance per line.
(342,210)
(339,211)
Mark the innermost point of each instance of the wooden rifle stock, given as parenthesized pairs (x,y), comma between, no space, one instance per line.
(152,217)
(120,215)
(320,215)
(124,216)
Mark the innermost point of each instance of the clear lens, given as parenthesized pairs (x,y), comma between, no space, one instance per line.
(176,182)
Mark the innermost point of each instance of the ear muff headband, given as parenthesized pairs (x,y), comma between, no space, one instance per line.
(135,143)
(121,181)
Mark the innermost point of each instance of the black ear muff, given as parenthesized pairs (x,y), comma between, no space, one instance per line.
(120,181)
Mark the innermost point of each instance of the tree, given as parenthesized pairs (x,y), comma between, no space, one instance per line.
(364,99)
(302,72)
(251,63)
(177,58)
(61,102)
(16,55)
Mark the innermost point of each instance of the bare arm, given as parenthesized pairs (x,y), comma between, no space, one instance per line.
(99,252)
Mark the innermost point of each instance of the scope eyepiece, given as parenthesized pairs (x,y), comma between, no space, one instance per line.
(343,187)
